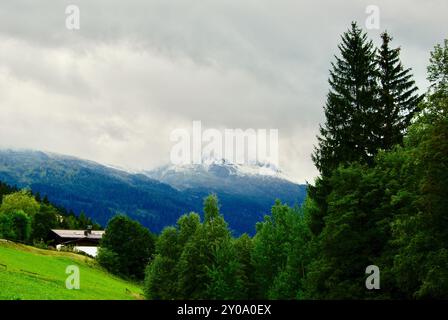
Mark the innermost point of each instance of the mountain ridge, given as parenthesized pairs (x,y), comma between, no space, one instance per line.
(102,191)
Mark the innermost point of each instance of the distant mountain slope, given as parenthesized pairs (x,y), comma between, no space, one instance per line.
(98,190)
(246,193)
(156,198)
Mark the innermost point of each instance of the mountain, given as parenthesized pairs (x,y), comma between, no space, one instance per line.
(155,198)
(246,193)
(98,190)
(219,175)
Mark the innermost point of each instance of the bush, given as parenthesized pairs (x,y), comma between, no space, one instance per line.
(108,260)
(40,244)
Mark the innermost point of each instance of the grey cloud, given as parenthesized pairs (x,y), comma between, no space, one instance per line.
(138,69)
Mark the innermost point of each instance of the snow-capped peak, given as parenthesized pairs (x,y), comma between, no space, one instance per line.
(209,164)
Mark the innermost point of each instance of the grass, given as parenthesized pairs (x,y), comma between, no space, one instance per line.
(29,273)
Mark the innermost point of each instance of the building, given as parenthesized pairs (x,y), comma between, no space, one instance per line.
(86,241)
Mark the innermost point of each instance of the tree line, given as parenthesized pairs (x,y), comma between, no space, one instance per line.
(28,218)
(380,198)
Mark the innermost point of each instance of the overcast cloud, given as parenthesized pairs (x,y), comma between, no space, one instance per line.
(136,70)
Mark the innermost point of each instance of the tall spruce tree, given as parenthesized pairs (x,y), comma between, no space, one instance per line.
(397,96)
(350,113)
(351,104)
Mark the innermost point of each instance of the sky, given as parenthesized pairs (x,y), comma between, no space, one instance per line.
(113,90)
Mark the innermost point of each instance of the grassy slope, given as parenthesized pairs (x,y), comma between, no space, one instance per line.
(35,274)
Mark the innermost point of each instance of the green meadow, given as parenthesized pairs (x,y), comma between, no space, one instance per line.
(28,273)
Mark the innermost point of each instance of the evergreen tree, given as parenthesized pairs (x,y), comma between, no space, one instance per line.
(351,105)
(351,112)
(355,234)
(398,98)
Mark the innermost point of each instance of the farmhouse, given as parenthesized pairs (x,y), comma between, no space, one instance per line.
(86,241)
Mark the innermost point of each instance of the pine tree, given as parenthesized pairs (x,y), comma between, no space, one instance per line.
(398,98)
(350,107)
(350,113)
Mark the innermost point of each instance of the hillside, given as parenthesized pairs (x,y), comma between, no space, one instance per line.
(98,190)
(155,198)
(28,273)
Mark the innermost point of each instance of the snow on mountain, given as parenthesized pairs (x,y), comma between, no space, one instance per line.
(220,168)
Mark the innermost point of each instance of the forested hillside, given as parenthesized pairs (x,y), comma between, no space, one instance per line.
(101,191)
